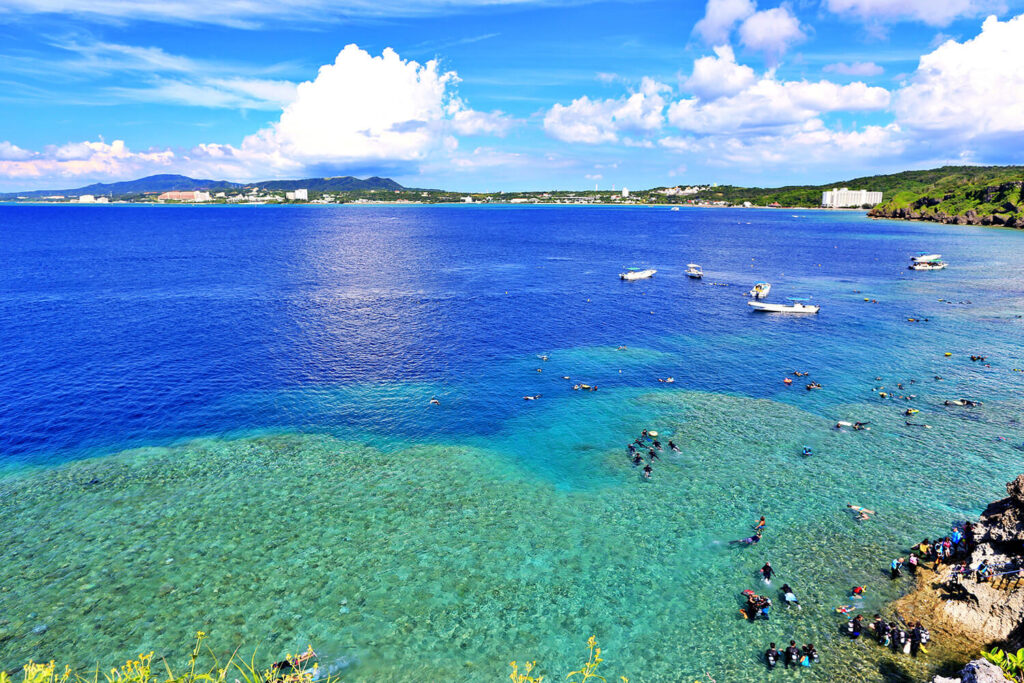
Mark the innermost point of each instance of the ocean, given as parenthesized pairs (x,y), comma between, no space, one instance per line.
(220,419)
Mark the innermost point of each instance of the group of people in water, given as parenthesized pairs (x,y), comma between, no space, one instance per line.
(647,441)
(909,638)
(792,656)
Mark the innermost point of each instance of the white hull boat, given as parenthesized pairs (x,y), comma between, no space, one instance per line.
(760,290)
(694,271)
(795,307)
(637,274)
(930,265)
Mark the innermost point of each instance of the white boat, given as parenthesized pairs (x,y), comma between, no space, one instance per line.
(927,265)
(797,306)
(925,258)
(675,208)
(694,271)
(637,274)
(760,290)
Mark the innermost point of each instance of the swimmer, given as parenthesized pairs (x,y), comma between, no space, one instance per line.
(787,381)
(434,402)
(638,459)
(565,376)
(647,471)
(751,540)
(861,514)
(544,358)
(860,425)
(539,370)
(657,444)
(674,447)
(807,451)
(917,424)
(531,398)
(789,596)
(653,456)
(760,524)
(643,434)
(669,380)
(857,592)
(766,572)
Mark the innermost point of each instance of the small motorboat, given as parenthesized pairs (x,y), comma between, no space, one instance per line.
(675,208)
(695,271)
(637,274)
(927,262)
(797,306)
(927,265)
(760,290)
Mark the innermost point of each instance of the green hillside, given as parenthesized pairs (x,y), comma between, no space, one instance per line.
(907,186)
(992,195)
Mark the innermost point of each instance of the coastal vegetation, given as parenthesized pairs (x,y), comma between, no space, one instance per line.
(974,196)
(203,667)
(1011,664)
(927,194)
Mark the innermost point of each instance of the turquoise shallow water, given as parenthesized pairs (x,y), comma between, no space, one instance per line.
(333,505)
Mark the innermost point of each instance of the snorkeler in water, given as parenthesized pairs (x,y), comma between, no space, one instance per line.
(674,447)
(647,471)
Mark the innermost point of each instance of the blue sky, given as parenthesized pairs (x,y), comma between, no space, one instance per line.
(493,95)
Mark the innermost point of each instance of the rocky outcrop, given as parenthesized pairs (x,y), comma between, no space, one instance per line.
(1007,198)
(983,613)
(977,671)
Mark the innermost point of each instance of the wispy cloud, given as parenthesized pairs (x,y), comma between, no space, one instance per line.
(251,14)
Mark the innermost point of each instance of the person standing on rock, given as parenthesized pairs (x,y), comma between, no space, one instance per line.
(912,564)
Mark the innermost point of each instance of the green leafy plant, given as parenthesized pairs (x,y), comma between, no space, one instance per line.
(1011,664)
(203,667)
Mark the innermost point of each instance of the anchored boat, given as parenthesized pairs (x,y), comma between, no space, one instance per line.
(797,306)
(637,274)
(927,262)
(694,271)
(760,290)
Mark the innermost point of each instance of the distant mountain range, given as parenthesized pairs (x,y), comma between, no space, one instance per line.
(169,182)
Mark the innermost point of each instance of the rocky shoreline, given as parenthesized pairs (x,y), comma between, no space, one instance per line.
(1008,216)
(971,614)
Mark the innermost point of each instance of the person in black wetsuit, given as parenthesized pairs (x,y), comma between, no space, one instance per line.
(810,653)
(674,447)
(647,471)
(767,571)
(792,655)
(657,444)
(916,638)
(638,459)
(772,656)
(652,454)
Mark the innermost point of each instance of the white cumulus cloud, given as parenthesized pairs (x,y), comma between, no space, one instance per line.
(360,112)
(77,159)
(720,75)
(720,17)
(771,32)
(969,96)
(595,121)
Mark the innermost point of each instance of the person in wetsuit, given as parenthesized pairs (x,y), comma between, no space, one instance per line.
(767,571)
(772,656)
(792,655)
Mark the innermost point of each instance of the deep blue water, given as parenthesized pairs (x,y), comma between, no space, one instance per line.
(125,326)
(438,542)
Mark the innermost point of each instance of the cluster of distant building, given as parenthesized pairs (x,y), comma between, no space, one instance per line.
(840,198)
(684,191)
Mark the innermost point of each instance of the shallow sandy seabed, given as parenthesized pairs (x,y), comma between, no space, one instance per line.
(445,562)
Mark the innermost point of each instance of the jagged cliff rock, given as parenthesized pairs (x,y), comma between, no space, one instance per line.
(1001,205)
(982,612)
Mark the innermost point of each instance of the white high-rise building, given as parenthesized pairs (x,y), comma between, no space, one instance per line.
(845,197)
(302,195)
(625,192)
